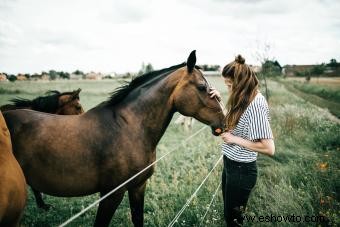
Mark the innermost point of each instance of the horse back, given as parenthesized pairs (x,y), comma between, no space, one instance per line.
(49,145)
(17,117)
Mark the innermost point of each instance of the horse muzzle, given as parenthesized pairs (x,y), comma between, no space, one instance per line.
(216,131)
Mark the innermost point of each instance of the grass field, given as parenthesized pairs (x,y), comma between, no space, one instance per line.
(329,82)
(323,92)
(302,178)
(326,88)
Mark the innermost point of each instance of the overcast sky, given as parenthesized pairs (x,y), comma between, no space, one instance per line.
(118,35)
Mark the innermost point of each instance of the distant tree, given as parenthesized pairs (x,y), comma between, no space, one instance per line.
(145,69)
(299,74)
(271,68)
(127,75)
(27,75)
(148,68)
(141,71)
(206,67)
(36,76)
(53,75)
(12,78)
(78,72)
(333,63)
(108,77)
(64,75)
(262,54)
(318,69)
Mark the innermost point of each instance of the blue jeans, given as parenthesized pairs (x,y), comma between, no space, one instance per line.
(238,180)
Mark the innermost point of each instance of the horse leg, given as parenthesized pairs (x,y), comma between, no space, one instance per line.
(136,198)
(107,208)
(40,202)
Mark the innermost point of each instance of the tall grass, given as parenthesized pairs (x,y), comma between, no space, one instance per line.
(301,179)
(332,94)
(311,95)
(304,170)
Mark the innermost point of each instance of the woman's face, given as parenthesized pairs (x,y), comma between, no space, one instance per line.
(228,82)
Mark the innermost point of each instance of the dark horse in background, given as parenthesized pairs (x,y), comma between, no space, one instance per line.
(98,150)
(54,102)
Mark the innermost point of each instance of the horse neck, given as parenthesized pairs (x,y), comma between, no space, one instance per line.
(151,109)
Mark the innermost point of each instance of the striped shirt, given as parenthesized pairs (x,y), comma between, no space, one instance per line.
(253,125)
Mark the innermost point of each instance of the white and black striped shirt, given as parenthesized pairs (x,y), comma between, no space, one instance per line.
(253,125)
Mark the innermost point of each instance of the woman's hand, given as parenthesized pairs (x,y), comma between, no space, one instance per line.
(263,146)
(214,93)
(228,137)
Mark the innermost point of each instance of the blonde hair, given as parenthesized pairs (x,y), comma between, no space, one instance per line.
(244,88)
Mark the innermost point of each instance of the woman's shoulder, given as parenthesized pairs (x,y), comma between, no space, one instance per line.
(259,100)
(258,108)
(258,104)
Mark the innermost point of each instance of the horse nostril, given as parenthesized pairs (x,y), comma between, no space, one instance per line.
(218,130)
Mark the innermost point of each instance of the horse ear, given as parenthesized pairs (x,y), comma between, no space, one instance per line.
(76,93)
(191,62)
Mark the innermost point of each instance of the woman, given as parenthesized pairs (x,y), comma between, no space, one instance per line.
(247,133)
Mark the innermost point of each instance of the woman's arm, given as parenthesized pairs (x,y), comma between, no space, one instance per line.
(263,146)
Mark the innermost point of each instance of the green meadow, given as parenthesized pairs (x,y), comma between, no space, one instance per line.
(302,179)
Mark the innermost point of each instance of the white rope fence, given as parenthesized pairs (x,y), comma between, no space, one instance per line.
(130,179)
(212,200)
(193,195)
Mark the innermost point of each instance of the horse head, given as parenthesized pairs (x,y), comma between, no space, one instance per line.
(191,97)
(69,104)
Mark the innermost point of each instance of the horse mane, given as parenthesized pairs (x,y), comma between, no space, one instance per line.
(121,92)
(48,103)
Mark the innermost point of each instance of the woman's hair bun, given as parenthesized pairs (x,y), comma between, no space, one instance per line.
(239,59)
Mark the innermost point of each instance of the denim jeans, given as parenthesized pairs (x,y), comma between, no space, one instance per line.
(238,179)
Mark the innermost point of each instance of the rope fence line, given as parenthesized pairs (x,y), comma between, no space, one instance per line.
(211,202)
(130,179)
(193,195)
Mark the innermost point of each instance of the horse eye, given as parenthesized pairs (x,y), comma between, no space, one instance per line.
(202,87)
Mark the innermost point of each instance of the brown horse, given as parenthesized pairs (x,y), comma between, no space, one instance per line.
(100,149)
(54,102)
(12,181)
